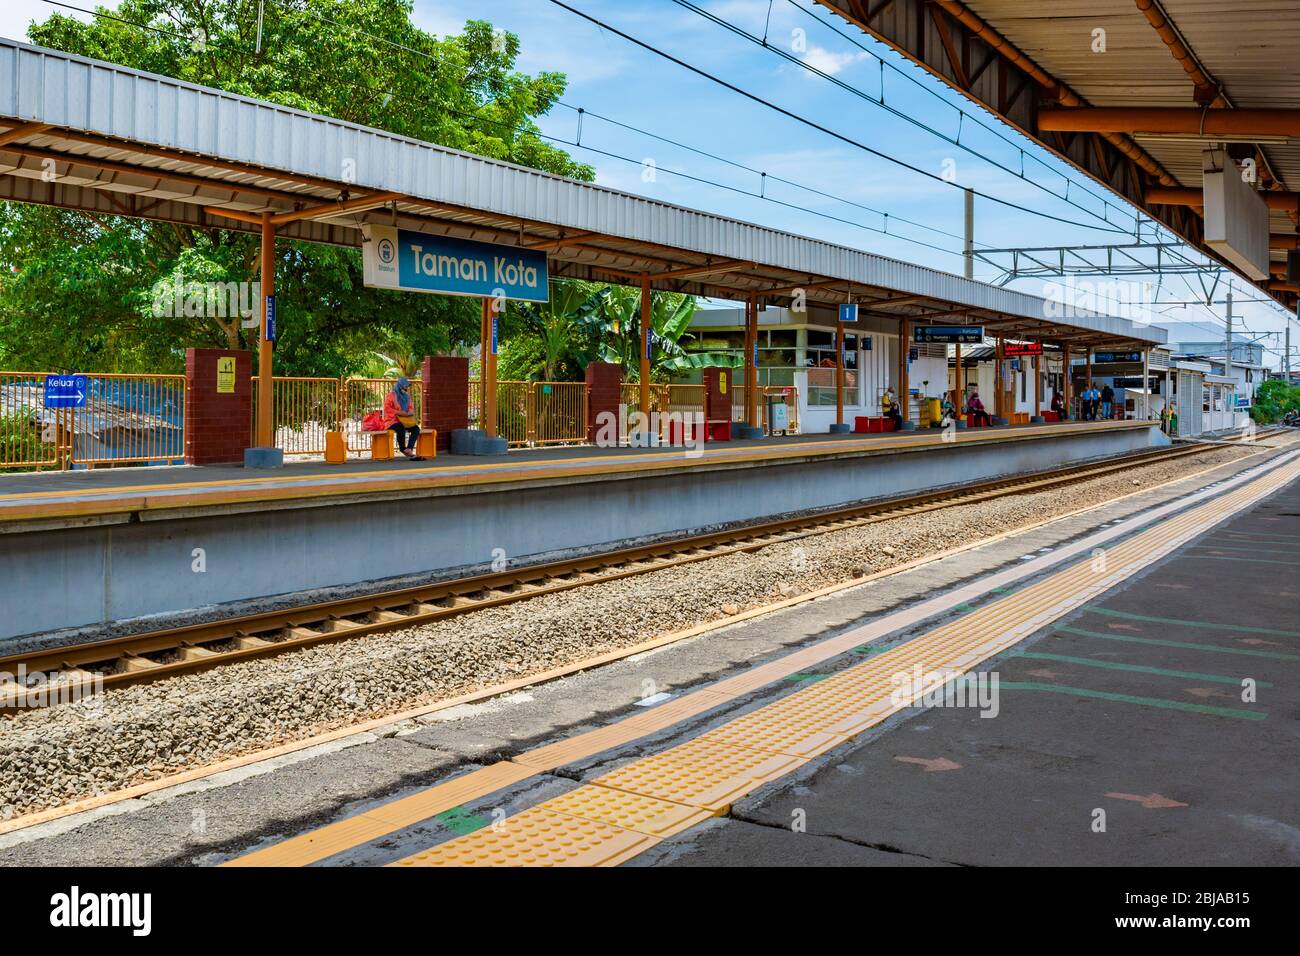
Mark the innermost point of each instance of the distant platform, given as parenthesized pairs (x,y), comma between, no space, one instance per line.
(153,547)
(116,493)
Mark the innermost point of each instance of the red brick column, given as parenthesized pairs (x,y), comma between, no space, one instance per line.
(446,396)
(218,426)
(604,393)
(717,403)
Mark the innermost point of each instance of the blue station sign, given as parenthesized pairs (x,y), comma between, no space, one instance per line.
(65,391)
(419,262)
(949,334)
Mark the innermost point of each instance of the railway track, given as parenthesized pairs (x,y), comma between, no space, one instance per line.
(157,654)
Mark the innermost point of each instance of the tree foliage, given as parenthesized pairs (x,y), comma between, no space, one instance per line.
(76,290)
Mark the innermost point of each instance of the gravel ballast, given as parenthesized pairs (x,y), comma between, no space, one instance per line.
(135,734)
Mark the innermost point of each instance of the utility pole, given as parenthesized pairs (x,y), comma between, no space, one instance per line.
(969,251)
(1227,348)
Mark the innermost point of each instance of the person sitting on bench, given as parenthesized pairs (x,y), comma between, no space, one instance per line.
(889,408)
(975,408)
(1058,406)
(399,416)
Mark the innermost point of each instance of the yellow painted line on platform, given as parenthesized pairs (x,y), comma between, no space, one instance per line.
(711,771)
(165,497)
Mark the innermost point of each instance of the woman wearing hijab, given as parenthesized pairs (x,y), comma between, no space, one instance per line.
(399,416)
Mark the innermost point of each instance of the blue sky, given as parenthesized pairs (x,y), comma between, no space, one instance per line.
(611,77)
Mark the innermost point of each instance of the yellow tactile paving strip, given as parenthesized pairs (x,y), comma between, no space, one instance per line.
(711,771)
(164,496)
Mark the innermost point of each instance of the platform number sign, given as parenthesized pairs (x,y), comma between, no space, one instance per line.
(65,391)
(848,313)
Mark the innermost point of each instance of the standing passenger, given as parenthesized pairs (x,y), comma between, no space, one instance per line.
(1107,400)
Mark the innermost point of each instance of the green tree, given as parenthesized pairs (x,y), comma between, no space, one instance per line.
(77,289)
(1273,399)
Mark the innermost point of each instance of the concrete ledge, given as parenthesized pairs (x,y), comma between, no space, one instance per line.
(839,429)
(1037,420)
(263,458)
(908,426)
(473,441)
(99,575)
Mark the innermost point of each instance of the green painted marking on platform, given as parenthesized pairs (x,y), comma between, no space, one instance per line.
(870,649)
(1159,642)
(964,608)
(1226,547)
(1000,591)
(1130,616)
(1136,668)
(1159,702)
(806,678)
(1228,557)
(461,821)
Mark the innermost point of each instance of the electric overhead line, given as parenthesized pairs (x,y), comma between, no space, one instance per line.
(790,114)
(907,117)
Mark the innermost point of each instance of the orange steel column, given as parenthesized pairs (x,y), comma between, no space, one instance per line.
(999,399)
(646,314)
(839,373)
(265,383)
(751,362)
(959,379)
(1038,384)
(489,375)
(904,385)
(1065,377)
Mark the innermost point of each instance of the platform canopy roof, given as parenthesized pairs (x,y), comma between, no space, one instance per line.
(1174,77)
(93,136)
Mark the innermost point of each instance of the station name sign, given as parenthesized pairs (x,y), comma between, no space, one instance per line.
(1023,348)
(418,262)
(949,334)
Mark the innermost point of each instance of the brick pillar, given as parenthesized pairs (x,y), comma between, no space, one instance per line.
(446,396)
(717,393)
(218,425)
(604,393)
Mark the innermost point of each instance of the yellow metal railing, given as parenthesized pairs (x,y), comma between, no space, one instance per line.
(129,418)
(304,409)
(558,413)
(118,419)
(790,392)
(361,396)
(535,413)
(31,436)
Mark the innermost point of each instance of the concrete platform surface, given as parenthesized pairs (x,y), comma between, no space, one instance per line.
(1133,701)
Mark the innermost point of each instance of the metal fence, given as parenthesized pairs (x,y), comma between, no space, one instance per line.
(790,392)
(121,419)
(535,413)
(304,409)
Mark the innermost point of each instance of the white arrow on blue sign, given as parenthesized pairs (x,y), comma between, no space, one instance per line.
(65,391)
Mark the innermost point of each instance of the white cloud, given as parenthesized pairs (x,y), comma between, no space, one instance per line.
(830,62)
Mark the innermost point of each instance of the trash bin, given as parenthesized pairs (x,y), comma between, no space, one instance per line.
(934,411)
(778,415)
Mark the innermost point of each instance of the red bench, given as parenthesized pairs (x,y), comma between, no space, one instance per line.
(867,424)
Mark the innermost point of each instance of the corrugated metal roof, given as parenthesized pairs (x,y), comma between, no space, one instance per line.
(171,148)
(1250,46)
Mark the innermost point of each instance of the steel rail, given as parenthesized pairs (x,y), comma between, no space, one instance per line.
(127,659)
